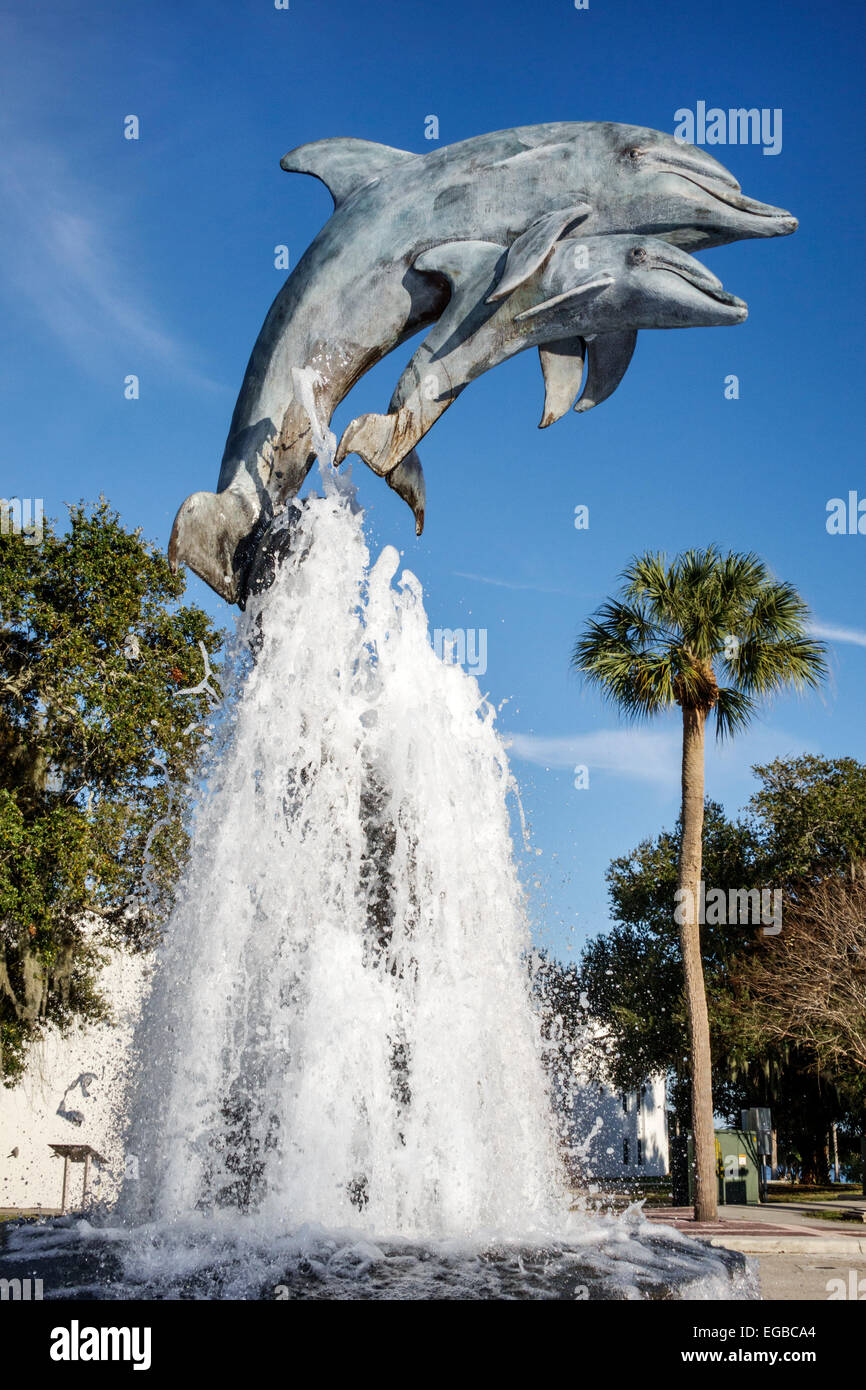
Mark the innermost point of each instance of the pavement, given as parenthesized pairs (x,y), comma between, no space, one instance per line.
(855,1206)
(800,1258)
(814,1278)
(787,1229)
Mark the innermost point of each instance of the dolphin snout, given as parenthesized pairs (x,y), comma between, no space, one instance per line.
(731,301)
(694,273)
(783,223)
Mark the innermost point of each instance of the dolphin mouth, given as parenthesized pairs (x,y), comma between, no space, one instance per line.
(693,168)
(737,199)
(700,278)
(733,197)
(724,188)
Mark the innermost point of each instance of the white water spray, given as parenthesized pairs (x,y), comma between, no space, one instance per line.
(340,1031)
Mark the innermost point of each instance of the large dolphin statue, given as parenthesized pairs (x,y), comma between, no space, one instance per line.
(604,285)
(355,295)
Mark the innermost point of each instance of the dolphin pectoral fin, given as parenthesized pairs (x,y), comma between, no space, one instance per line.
(407,480)
(562,365)
(531,247)
(208,537)
(600,283)
(375,439)
(608,357)
(344,164)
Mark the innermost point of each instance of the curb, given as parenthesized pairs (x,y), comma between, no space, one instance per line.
(792,1245)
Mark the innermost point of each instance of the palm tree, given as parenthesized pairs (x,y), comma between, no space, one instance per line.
(671,636)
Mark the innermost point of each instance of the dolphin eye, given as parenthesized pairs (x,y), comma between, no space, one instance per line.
(634,155)
(637,255)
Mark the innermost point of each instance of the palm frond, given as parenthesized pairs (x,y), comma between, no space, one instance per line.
(733,710)
(762,667)
(673,624)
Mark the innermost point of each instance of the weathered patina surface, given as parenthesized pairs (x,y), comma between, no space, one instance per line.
(357,293)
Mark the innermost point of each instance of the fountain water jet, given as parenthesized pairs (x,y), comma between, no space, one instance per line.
(340,1029)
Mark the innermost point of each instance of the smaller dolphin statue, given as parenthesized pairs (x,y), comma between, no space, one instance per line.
(602,289)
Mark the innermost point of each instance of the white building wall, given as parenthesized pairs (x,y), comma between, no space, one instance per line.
(620,1136)
(72,1093)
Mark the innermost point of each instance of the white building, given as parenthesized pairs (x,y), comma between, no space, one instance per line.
(619,1134)
(72,1093)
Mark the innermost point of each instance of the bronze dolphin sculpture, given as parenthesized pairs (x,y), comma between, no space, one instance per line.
(355,293)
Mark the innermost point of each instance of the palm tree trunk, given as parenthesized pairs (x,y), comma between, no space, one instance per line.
(689,879)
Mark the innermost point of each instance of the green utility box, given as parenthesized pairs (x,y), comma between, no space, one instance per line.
(736,1166)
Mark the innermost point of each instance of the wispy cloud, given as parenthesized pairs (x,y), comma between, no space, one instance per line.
(510,584)
(828,633)
(64,253)
(654,755)
(647,754)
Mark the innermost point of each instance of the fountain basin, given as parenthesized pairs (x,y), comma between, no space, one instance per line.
(619,1259)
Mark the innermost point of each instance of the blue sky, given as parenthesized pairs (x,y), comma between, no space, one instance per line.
(155,257)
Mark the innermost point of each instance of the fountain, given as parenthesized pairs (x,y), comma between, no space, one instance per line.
(339,1089)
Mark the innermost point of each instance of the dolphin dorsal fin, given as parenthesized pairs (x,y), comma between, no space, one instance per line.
(460,261)
(531,247)
(562,365)
(344,164)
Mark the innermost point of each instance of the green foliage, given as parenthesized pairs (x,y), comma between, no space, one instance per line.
(678,630)
(633,974)
(813,811)
(806,823)
(95,749)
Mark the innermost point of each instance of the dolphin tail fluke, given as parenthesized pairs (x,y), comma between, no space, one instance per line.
(607,363)
(407,480)
(381,442)
(208,537)
(378,440)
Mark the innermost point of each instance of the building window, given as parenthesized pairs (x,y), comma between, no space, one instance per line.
(624,1099)
(625,1151)
(640,1153)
